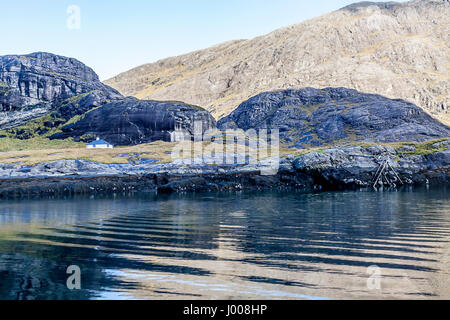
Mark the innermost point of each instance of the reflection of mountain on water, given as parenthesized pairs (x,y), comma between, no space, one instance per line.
(34,259)
(222,246)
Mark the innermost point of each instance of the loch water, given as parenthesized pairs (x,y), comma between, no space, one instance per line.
(255,245)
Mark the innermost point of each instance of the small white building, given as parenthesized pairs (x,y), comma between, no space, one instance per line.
(179,134)
(99,144)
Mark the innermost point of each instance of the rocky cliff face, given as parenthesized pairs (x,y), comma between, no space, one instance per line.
(398,50)
(42,93)
(34,85)
(313,117)
(131,121)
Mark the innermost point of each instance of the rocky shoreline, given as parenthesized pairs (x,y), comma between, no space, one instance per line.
(341,168)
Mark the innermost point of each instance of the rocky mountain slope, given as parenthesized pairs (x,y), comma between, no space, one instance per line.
(398,50)
(45,95)
(313,117)
(34,85)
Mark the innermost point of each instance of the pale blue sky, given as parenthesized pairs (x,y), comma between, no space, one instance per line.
(117,35)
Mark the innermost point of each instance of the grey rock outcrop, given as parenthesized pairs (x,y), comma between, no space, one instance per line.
(131,121)
(356,166)
(34,85)
(314,117)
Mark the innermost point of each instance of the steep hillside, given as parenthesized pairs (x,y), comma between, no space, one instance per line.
(33,85)
(398,50)
(50,101)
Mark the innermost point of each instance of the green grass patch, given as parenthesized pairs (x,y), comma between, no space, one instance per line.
(34,134)
(37,143)
(4,88)
(74,119)
(76,99)
(42,126)
(421,148)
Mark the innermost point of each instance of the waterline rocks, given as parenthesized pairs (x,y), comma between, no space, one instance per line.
(329,169)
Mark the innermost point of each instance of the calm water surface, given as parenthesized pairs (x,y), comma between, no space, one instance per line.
(229,246)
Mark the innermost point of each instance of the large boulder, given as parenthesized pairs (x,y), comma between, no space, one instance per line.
(314,117)
(131,121)
(34,85)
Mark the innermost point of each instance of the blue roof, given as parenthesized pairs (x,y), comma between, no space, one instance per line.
(98,142)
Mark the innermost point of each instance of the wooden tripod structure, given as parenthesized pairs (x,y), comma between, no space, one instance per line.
(386,175)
